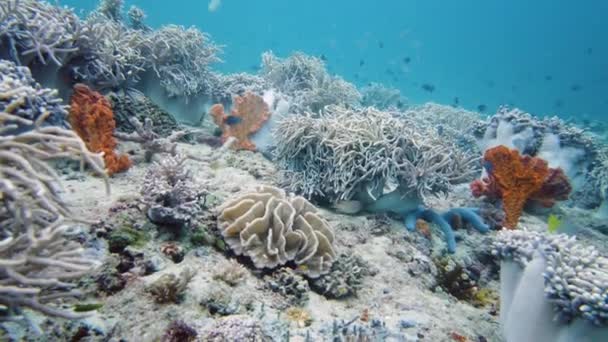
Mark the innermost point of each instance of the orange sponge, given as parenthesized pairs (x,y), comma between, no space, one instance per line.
(248,115)
(92,119)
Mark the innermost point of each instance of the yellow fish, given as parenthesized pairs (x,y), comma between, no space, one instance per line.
(553,223)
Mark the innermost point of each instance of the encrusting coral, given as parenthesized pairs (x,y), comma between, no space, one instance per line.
(248,114)
(517,179)
(273,229)
(38,262)
(92,118)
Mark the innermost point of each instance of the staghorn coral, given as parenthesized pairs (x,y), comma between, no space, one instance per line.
(136,19)
(305,79)
(292,286)
(137,105)
(169,194)
(575,276)
(344,279)
(345,153)
(38,261)
(179,331)
(381,97)
(170,288)
(235,328)
(92,118)
(111,9)
(20,95)
(112,56)
(180,59)
(249,111)
(230,272)
(300,317)
(516,179)
(273,229)
(36,30)
(151,142)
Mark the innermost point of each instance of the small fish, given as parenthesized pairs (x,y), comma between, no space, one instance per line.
(407,60)
(482,108)
(558,103)
(576,87)
(428,87)
(232,120)
(490,84)
(456,101)
(323,58)
(361,63)
(440,129)
(553,223)
(356,76)
(254,67)
(548,78)
(381,45)
(589,51)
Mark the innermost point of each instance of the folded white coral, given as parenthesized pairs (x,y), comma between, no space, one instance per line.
(273,229)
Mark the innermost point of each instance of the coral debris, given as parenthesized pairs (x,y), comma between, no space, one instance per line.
(92,118)
(250,111)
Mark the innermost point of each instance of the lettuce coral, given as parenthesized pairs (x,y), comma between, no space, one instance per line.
(248,114)
(92,118)
(517,179)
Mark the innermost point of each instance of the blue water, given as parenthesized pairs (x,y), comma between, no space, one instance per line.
(544,56)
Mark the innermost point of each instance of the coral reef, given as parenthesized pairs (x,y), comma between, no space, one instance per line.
(306,81)
(235,328)
(248,114)
(136,19)
(168,193)
(517,179)
(575,276)
(378,96)
(36,30)
(230,272)
(23,97)
(38,260)
(140,107)
(344,279)
(92,118)
(179,331)
(152,142)
(273,229)
(169,287)
(348,152)
(292,286)
(300,317)
(180,59)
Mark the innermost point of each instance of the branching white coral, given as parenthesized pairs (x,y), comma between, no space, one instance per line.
(305,79)
(37,261)
(346,152)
